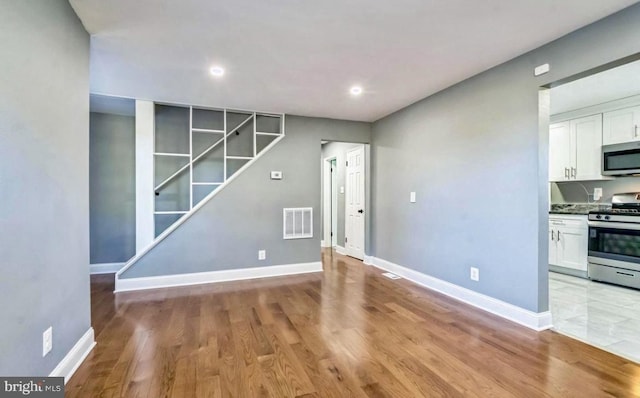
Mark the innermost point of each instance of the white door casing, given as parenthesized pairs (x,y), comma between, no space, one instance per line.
(330,202)
(334,203)
(355,203)
(326,200)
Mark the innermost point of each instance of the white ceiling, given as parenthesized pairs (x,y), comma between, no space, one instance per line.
(616,83)
(301,57)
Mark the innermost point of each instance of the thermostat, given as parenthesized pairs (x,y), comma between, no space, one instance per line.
(276,175)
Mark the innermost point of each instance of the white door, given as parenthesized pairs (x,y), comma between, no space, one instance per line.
(354,203)
(572,248)
(588,132)
(621,126)
(559,151)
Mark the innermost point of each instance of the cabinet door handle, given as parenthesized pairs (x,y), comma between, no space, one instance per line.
(574,172)
(552,239)
(566,172)
(635,130)
(558,235)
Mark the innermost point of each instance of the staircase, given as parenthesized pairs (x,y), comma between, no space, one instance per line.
(197,153)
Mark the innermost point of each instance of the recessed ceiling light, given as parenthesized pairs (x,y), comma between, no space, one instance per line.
(356,90)
(217,71)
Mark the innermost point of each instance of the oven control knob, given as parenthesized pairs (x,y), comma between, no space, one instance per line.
(606,217)
(598,216)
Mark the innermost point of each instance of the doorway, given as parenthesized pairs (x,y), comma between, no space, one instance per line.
(345,192)
(587,114)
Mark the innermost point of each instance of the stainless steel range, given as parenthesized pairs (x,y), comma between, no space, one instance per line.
(614,242)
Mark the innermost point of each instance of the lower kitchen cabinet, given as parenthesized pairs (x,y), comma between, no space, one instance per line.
(568,242)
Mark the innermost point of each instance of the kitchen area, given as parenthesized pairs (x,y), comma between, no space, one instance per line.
(594,215)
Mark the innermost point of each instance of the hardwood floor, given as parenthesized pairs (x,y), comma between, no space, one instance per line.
(346,332)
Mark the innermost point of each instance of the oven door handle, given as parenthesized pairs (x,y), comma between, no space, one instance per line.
(614,225)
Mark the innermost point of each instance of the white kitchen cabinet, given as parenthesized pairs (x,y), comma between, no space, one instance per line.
(621,125)
(568,242)
(559,151)
(553,248)
(588,158)
(575,149)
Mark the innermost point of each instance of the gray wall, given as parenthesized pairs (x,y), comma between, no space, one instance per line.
(246,216)
(339,150)
(574,192)
(112,187)
(44,189)
(477,156)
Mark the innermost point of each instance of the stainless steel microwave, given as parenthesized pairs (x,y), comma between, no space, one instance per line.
(621,159)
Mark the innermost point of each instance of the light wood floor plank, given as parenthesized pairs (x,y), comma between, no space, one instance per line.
(346,332)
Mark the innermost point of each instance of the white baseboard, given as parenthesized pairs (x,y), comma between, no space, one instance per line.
(154,282)
(105,268)
(341,250)
(537,321)
(70,363)
(368,260)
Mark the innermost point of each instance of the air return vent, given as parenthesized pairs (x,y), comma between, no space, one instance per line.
(297,223)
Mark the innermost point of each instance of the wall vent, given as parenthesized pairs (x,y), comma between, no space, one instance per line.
(297,222)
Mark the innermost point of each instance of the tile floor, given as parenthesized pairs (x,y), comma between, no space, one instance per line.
(606,316)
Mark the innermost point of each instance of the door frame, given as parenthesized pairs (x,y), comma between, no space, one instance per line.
(327,196)
(334,203)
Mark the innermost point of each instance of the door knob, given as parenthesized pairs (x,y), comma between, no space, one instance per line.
(360,211)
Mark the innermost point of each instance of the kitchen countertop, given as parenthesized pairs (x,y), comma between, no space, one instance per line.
(576,208)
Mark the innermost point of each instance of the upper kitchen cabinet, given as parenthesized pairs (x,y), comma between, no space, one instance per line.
(588,132)
(560,150)
(575,149)
(621,126)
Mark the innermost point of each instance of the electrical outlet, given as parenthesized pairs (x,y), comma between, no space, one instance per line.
(47,341)
(262,254)
(597,193)
(474,274)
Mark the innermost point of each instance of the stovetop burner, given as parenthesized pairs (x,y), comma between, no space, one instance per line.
(619,211)
(623,206)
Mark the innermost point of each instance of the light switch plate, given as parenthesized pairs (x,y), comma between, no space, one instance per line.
(276,175)
(412,197)
(341,189)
